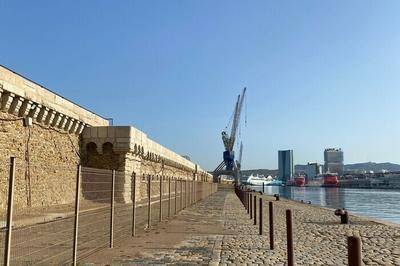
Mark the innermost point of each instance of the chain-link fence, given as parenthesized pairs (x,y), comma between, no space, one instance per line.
(61,214)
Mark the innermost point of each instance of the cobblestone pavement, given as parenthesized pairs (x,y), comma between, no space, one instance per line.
(218,231)
(319,238)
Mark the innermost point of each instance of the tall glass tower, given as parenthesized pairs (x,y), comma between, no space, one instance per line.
(285,163)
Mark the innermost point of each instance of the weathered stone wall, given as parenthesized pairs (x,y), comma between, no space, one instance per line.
(46,163)
(47,151)
(137,155)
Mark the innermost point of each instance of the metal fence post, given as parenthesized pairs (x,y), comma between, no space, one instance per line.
(161,192)
(76,223)
(186,194)
(149,203)
(260,223)
(10,204)
(175,193)
(271,225)
(189,192)
(112,209)
(289,235)
(169,197)
(354,255)
(181,194)
(193,192)
(134,206)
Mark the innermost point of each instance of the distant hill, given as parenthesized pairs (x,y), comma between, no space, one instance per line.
(369,166)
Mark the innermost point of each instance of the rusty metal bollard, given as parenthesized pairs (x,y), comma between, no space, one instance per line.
(251,205)
(260,223)
(289,236)
(248,202)
(354,255)
(255,209)
(271,225)
(344,215)
(245,200)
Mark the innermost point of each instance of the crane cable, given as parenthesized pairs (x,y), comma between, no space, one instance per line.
(229,121)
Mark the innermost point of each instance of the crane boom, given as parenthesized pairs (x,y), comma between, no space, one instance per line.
(236,119)
(240,153)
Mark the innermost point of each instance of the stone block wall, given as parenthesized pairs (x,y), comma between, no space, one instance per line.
(137,155)
(47,152)
(46,163)
(62,135)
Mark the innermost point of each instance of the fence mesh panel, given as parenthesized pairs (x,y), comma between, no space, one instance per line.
(123,207)
(4,175)
(44,209)
(42,232)
(94,211)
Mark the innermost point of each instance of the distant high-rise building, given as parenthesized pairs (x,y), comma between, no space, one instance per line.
(285,163)
(333,161)
(312,170)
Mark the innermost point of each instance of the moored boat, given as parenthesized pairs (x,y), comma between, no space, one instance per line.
(331,180)
(299,181)
(259,180)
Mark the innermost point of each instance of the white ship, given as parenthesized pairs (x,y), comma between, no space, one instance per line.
(259,180)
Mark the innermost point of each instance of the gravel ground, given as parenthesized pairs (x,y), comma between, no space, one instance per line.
(319,238)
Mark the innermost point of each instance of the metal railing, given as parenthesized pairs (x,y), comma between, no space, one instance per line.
(102,207)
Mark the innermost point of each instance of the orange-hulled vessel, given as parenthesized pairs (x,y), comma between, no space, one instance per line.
(299,181)
(331,180)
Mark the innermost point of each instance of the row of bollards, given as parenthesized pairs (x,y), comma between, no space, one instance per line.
(249,201)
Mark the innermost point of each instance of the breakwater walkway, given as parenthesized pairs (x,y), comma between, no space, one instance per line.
(218,231)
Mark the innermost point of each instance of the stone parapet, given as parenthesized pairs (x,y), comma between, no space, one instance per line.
(21,97)
(129,139)
(138,156)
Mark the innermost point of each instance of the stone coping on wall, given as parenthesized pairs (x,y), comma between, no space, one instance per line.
(129,139)
(23,97)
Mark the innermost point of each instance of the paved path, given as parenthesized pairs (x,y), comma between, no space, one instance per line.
(218,231)
(191,238)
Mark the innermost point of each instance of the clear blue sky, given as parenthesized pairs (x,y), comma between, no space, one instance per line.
(319,73)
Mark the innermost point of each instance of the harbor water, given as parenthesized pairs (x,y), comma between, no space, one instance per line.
(382,204)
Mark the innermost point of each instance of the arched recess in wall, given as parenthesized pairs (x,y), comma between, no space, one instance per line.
(108,159)
(90,154)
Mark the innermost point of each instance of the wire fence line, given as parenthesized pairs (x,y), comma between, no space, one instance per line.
(106,208)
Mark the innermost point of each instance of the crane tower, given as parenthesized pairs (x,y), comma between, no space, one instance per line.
(229,166)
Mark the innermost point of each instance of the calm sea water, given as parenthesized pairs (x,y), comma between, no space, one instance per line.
(375,203)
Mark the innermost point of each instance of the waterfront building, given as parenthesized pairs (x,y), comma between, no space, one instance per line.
(285,165)
(333,161)
(313,170)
